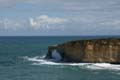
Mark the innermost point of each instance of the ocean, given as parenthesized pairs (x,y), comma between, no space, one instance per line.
(22,58)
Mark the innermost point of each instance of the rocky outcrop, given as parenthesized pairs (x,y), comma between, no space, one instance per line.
(89,51)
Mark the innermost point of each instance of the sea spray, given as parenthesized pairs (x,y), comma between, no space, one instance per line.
(91,66)
(56,55)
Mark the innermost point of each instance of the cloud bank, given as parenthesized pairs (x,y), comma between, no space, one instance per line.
(46,22)
(70,17)
(38,23)
(77,24)
(11,24)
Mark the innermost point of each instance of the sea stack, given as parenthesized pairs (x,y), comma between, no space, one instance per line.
(88,51)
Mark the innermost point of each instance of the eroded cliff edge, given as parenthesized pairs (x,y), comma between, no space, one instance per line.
(88,51)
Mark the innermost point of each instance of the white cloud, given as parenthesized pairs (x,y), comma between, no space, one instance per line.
(82,16)
(111,22)
(11,24)
(81,24)
(40,22)
(46,22)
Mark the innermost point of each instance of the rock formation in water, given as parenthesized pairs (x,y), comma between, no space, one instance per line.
(88,51)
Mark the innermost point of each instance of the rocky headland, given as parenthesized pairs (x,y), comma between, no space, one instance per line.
(87,51)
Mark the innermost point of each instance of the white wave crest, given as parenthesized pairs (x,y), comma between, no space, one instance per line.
(103,66)
(93,66)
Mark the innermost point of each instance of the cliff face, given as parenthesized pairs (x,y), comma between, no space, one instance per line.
(93,51)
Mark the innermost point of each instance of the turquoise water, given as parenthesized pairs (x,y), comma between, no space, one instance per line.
(21,58)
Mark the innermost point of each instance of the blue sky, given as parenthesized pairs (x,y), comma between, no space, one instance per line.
(59,17)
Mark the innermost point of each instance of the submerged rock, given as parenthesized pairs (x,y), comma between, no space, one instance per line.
(88,51)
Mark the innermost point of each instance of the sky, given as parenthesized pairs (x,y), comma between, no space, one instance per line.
(59,17)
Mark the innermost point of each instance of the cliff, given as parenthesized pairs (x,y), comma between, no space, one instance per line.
(88,51)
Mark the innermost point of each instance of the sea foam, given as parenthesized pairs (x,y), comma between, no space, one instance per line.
(93,66)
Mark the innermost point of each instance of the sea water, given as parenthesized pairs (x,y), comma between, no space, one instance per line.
(22,58)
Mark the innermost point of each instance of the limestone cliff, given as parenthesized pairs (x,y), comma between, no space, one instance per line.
(92,50)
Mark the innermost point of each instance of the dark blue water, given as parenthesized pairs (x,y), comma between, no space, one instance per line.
(21,59)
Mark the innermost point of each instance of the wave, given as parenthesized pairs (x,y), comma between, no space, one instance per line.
(39,60)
